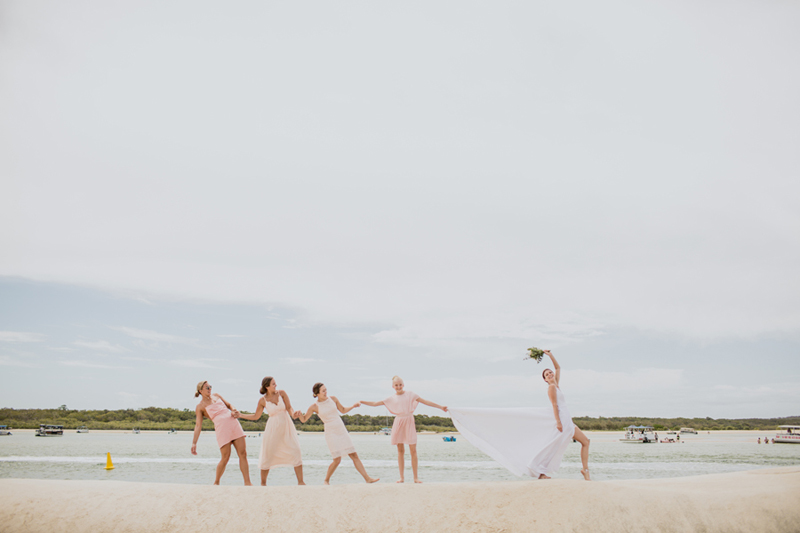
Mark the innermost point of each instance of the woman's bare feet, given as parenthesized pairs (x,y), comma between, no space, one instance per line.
(326,482)
(585,472)
(373,480)
(542,476)
(417,481)
(401,480)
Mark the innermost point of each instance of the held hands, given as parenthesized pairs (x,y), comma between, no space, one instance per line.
(235,413)
(357,404)
(444,408)
(296,415)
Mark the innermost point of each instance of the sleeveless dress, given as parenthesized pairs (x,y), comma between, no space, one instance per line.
(226,428)
(336,434)
(402,406)
(279,443)
(525,440)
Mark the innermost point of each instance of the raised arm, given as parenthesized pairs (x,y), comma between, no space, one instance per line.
(228,405)
(311,410)
(343,409)
(431,404)
(372,404)
(198,426)
(551,393)
(556,365)
(257,414)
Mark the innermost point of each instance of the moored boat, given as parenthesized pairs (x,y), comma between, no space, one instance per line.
(136,431)
(385,431)
(82,429)
(5,430)
(790,435)
(689,430)
(50,430)
(636,434)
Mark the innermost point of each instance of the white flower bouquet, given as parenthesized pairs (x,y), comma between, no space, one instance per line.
(535,353)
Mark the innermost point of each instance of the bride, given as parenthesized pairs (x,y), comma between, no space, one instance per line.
(527,441)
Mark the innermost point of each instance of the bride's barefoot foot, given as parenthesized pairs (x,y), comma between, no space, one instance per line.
(542,476)
(373,480)
(401,480)
(417,481)
(585,472)
(327,482)
(301,483)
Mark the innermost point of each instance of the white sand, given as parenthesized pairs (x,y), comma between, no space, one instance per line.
(759,500)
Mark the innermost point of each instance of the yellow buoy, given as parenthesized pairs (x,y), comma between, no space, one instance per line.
(109,464)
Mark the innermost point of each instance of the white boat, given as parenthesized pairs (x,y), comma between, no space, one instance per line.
(790,435)
(82,429)
(689,430)
(639,434)
(385,431)
(49,430)
(5,430)
(136,431)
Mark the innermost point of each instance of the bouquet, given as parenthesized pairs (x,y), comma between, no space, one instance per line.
(535,353)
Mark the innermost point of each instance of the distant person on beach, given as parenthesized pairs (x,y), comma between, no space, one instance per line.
(404,431)
(336,436)
(279,443)
(227,429)
(528,441)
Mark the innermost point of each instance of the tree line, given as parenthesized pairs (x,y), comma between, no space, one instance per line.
(164,418)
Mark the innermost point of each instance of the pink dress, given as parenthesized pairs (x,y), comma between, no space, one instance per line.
(226,427)
(279,443)
(339,442)
(402,406)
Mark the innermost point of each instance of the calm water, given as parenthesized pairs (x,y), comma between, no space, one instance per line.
(160,457)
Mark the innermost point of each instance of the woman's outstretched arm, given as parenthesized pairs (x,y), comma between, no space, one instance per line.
(198,426)
(556,365)
(372,404)
(343,409)
(551,393)
(431,404)
(311,410)
(257,414)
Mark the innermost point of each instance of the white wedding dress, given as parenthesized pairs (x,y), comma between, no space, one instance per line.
(523,439)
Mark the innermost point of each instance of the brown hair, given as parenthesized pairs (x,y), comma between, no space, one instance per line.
(315,389)
(199,388)
(266,382)
(543,371)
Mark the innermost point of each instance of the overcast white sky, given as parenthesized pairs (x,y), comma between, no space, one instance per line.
(342,192)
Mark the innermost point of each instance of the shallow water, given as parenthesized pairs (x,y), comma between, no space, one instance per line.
(164,458)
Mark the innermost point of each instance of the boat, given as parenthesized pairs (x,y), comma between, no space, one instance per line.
(643,434)
(136,431)
(790,435)
(449,439)
(172,431)
(82,429)
(689,430)
(385,431)
(5,430)
(50,430)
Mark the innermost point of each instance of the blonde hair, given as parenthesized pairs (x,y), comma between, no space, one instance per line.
(397,377)
(199,388)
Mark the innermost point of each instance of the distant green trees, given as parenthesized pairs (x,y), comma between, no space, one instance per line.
(164,418)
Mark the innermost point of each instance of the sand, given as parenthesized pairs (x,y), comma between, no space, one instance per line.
(759,500)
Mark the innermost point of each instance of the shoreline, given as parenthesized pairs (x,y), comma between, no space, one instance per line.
(758,500)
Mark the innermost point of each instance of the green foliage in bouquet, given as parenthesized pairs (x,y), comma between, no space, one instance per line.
(535,353)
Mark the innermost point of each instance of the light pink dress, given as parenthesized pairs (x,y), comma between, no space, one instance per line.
(402,406)
(339,442)
(226,428)
(279,443)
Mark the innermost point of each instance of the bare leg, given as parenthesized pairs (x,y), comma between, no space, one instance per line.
(223,462)
(241,451)
(584,440)
(298,471)
(414,462)
(332,469)
(361,470)
(401,462)
(264,474)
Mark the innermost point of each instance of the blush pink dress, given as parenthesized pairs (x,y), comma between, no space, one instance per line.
(279,443)
(402,406)
(336,436)
(226,428)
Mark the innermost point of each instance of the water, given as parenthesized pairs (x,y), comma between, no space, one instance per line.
(164,458)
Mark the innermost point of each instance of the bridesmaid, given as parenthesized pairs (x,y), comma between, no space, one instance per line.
(279,444)
(227,429)
(404,431)
(336,436)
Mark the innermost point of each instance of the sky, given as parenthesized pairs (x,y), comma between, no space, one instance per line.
(344,192)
